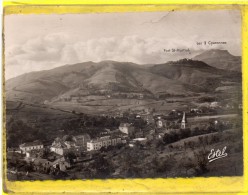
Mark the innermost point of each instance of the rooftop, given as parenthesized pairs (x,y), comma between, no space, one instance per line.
(34,143)
(140,139)
(125,125)
(103,138)
(81,137)
(37,161)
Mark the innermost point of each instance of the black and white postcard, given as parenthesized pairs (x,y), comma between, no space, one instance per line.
(123,95)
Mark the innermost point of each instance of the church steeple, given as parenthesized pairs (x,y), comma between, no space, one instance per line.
(183,123)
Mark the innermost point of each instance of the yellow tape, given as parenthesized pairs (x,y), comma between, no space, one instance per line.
(119,2)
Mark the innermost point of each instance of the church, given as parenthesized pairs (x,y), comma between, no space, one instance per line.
(184,121)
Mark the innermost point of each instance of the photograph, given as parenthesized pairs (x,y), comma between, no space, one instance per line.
(123,95)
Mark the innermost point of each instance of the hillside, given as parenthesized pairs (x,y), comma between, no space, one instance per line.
(220,59)
(180,78)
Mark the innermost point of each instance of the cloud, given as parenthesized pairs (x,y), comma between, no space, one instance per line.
(54,50)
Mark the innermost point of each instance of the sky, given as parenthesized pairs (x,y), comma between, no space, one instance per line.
(40,42)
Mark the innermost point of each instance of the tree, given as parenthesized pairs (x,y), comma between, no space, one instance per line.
(28,167)
(69,138)
(201,160)
(139,123)
(103,149)
(165,166)
(45,153)
(187,164)
(102,166)
(19,132)
(184,133)
(70,156)
(170,137)
(160,145)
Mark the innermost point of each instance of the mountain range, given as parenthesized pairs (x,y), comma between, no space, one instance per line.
(183,77)
(221,59)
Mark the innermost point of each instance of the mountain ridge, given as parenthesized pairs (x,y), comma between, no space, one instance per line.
(182,77)
(220,59)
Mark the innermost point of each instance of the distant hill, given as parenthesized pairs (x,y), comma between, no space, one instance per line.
(183,77)
(221,59)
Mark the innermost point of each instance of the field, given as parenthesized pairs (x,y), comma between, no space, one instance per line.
(112,106)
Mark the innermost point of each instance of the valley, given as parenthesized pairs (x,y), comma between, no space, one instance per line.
(97,98)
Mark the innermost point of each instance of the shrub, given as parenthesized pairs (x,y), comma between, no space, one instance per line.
(201,160)
(184,133)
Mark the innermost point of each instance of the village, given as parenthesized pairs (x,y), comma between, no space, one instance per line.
(69,152)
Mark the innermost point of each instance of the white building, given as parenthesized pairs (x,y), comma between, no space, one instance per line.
(140,140)
(62,164)
(77,143)
(105,141)
(214,105)
(36,145)
(60,147)
(126,128)
(159,123)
